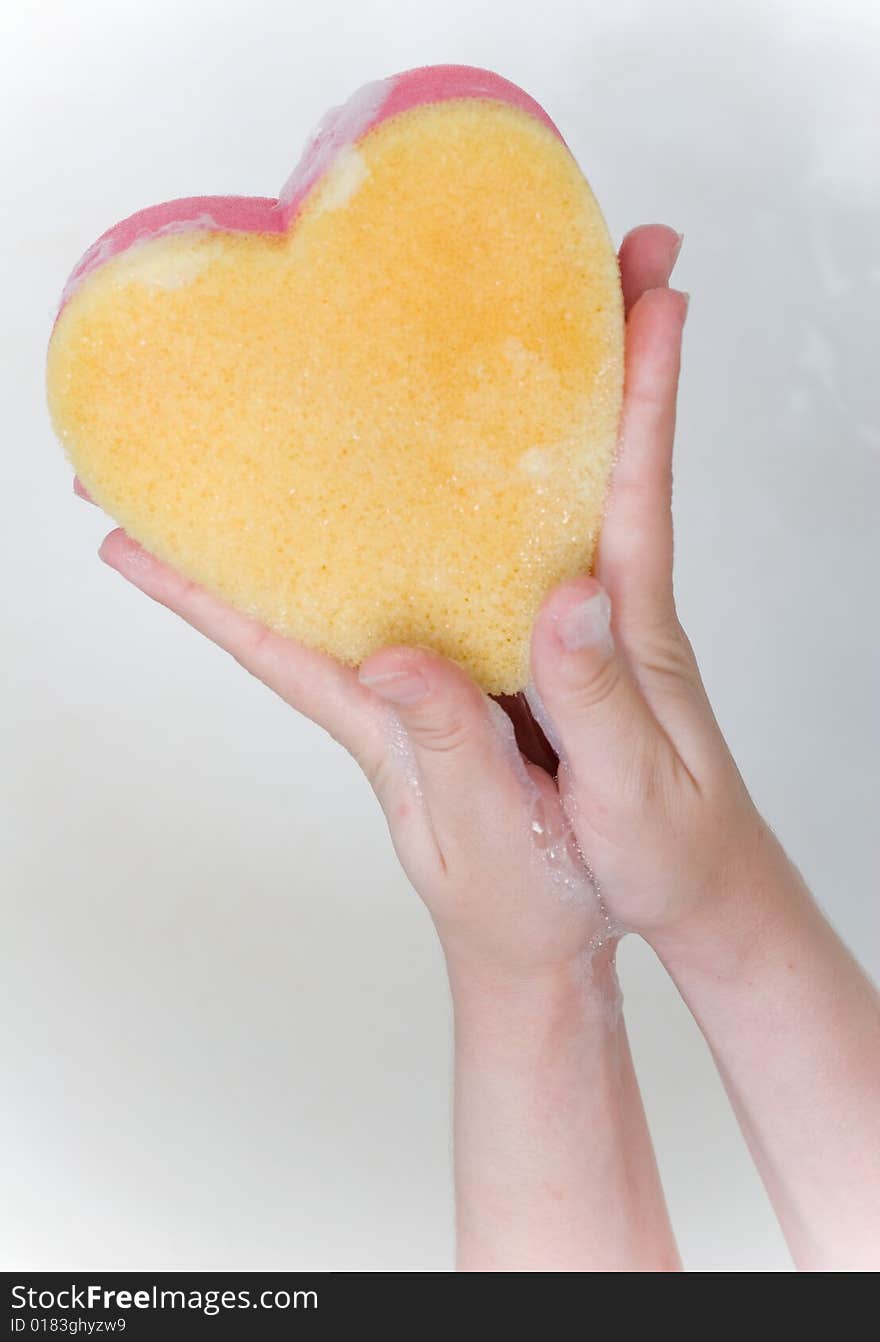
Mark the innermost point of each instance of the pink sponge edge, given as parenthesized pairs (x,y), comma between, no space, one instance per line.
(341,127)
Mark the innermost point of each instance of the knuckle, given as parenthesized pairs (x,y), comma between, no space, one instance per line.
(689,657)
(649,396)
(249,649)
(377,767)
(256,643)
(667,653)
(595,689)
(441,734)
(647,787)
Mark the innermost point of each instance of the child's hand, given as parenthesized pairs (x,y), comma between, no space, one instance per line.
(479,829)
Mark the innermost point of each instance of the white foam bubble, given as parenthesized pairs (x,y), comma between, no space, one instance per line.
(337,129)
(552,835)
(402,750)
(108,249)
(348,174)
(164,268)
(535,461)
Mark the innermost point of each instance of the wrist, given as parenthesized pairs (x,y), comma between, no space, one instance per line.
(526,1001)
(749,911)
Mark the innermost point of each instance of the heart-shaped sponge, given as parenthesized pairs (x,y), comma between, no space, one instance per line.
(382,408)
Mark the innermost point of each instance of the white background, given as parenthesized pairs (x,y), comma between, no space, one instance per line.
(224,1016)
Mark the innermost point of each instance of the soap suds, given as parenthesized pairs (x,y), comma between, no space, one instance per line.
(535,462)
(611,930)
(559,855)
(553,839)
(164,268)
(402,750)
(564,852)
(556,851)
(107,249)
(337,129)
(348,173)
(507,735)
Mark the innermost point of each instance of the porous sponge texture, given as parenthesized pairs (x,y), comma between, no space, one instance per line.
(394,423)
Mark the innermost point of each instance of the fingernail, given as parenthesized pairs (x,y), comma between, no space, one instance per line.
(679,240)
(587,625)
(398,687)
(687,302)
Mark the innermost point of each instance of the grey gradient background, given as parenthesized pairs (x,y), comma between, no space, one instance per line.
(225,1024)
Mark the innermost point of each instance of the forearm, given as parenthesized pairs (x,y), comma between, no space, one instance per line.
(554,1165)
(794,1025)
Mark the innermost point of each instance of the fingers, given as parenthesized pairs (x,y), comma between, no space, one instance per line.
(647,256)
(318,686)
(467,769)
(634,559)
(609,738)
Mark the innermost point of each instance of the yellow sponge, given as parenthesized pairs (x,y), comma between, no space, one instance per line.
(388,415)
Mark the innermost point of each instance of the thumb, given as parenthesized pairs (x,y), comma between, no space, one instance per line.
(604,729)
(463,762)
